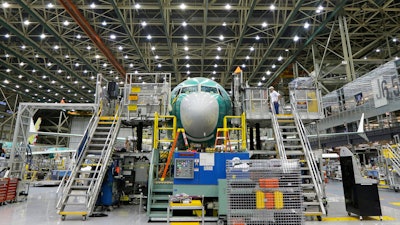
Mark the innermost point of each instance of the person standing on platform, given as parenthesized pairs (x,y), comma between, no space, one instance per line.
(274,98)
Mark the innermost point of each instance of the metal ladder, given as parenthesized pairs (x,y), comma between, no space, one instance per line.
(82,188)
(292,142)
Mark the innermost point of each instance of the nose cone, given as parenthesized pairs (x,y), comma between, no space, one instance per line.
(199,114)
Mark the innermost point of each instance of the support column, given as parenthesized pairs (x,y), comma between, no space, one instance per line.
(258,137)
(347,53)
(251,135)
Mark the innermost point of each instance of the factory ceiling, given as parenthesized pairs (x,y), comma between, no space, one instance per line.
(52,49)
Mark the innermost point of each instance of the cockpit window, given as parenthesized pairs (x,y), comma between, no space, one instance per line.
(209,89)
(189,89)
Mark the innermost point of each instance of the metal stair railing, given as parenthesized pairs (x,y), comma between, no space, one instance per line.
(91,127)
(94,187)
(278,135)
(151,179)
(311,160)
(395,159)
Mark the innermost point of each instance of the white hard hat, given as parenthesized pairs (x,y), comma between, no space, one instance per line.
(271,87)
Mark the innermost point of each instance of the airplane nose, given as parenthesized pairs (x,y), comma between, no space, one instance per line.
(199,114)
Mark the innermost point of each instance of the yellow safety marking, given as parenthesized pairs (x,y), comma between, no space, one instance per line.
(132,107)
(383,186)
(184,223)
(133,97)
(356,218)
(395,203)
(83,213)
(313,213)
(135,89)
(107,118)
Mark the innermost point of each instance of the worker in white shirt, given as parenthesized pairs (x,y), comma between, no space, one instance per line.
(275,97)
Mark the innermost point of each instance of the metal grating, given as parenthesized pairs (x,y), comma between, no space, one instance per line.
(264,192)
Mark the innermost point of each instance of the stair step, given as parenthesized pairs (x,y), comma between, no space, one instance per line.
(79,187)
(163,190)
(310,203)
(77,195)
(287,127)
(159,205)
(160,197)
(294,153)
(71,204)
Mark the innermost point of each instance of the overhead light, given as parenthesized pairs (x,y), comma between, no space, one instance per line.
(131,65)
(217,57)
(272,7)
(66,23)
(125,56)
(144,23)
(186,48)
(40,86)
(264,24)
(224,24)
(153,48)
(105,65)
(251,48)
(187,65)
(280,58)
(27,22)
(219,48)
(182,6)
(221,37)
(257,37)
(104,23)
(273,66)
(137,6)
(7,36)
(259,83)
(59,71)
(185,37)
(93,5)
(319,9)
(214,72)
(78,36)
(296,38)
(8,70)
(149,37)
(17,86)
(247,57)
(5,5)
(76,64)
(88,47)
(306,25)
(156,56)
(112,36)
(228,6)
(187,57)
(159,65)
(56,47)
(6,81)
(263,78)
(120,48)
(243,65)
(184,23)
(42,36)
(215,65)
